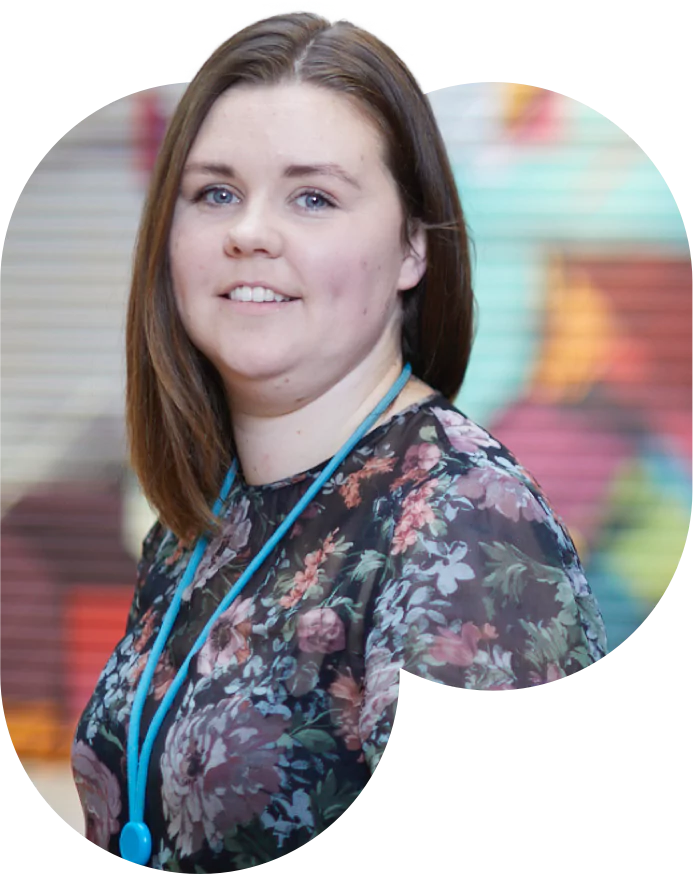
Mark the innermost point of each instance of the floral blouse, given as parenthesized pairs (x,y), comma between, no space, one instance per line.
(429,549)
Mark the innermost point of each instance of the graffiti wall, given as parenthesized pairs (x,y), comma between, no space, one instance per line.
(582,366)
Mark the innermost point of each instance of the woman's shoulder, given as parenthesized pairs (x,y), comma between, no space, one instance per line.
(452,463)
(477,448)
(439,437)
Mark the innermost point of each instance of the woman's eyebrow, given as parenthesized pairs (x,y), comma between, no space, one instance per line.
(292,171)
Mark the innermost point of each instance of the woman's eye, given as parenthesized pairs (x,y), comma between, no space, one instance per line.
(313,195)
(216,196)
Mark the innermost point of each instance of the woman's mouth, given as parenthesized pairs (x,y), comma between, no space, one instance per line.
(253,307)
(256,294)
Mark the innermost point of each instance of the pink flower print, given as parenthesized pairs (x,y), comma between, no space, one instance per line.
(463,434)
(146,630)
(382,688)
(377,464)
(346,688)
(419,459)
(421,456)
(321,630)
(415,514)
(99,794)
(218,769)
(460,649)
(500,491)
(349,697)
(306,579)
(303,580)
(350,490)
(328,546)
(137,668)
(164,674)
(177,554)
(228,638)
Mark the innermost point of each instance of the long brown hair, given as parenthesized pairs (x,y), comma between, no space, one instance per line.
(179,428)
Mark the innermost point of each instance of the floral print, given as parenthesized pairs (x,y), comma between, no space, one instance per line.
(218,768)
(321,630)
(228,639)
(99,794)
(430,549)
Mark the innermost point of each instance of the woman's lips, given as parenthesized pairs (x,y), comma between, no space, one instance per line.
(252,306)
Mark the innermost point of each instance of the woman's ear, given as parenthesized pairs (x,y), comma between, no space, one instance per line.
(414,262)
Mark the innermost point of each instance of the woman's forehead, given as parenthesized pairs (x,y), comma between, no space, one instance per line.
(287,108)
(301,126)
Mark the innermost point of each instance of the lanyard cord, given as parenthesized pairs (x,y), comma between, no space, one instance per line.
(135,839)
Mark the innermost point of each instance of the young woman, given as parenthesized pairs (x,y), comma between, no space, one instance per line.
(301,250)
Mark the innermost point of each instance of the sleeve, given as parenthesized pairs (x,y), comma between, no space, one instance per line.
(150,548)
(482,589)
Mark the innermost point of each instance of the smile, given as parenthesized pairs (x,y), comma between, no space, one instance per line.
(252,307)
(256,294)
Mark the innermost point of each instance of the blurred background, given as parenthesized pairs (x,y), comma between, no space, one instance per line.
(582,366)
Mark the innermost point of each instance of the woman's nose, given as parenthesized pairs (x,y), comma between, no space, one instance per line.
(252,231)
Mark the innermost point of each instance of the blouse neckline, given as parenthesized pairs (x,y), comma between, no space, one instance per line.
(372,436)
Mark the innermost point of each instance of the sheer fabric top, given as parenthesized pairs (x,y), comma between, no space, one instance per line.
(430,550)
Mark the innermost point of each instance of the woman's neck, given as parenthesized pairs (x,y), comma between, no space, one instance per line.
(274,447)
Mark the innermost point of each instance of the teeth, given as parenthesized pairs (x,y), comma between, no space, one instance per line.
(257,294)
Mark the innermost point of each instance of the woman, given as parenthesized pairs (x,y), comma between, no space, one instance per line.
(301,244)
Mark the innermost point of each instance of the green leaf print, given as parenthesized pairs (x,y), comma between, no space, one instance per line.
(231,844)
(284,581)
(355,611)
(289,629)
(438,528)
(428,433)
(489,606)
(487,675)
(370,561)
(103,731)
(340,547)
(315,740)
(251,844)
(546,644)
(511,570)
(508,570)
(329,800)
(566,597)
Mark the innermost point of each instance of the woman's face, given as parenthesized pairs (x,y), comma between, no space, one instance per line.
(285,190)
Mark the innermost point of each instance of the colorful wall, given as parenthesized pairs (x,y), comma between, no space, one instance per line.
(582,366)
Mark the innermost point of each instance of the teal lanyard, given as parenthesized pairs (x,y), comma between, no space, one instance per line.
(135,838)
